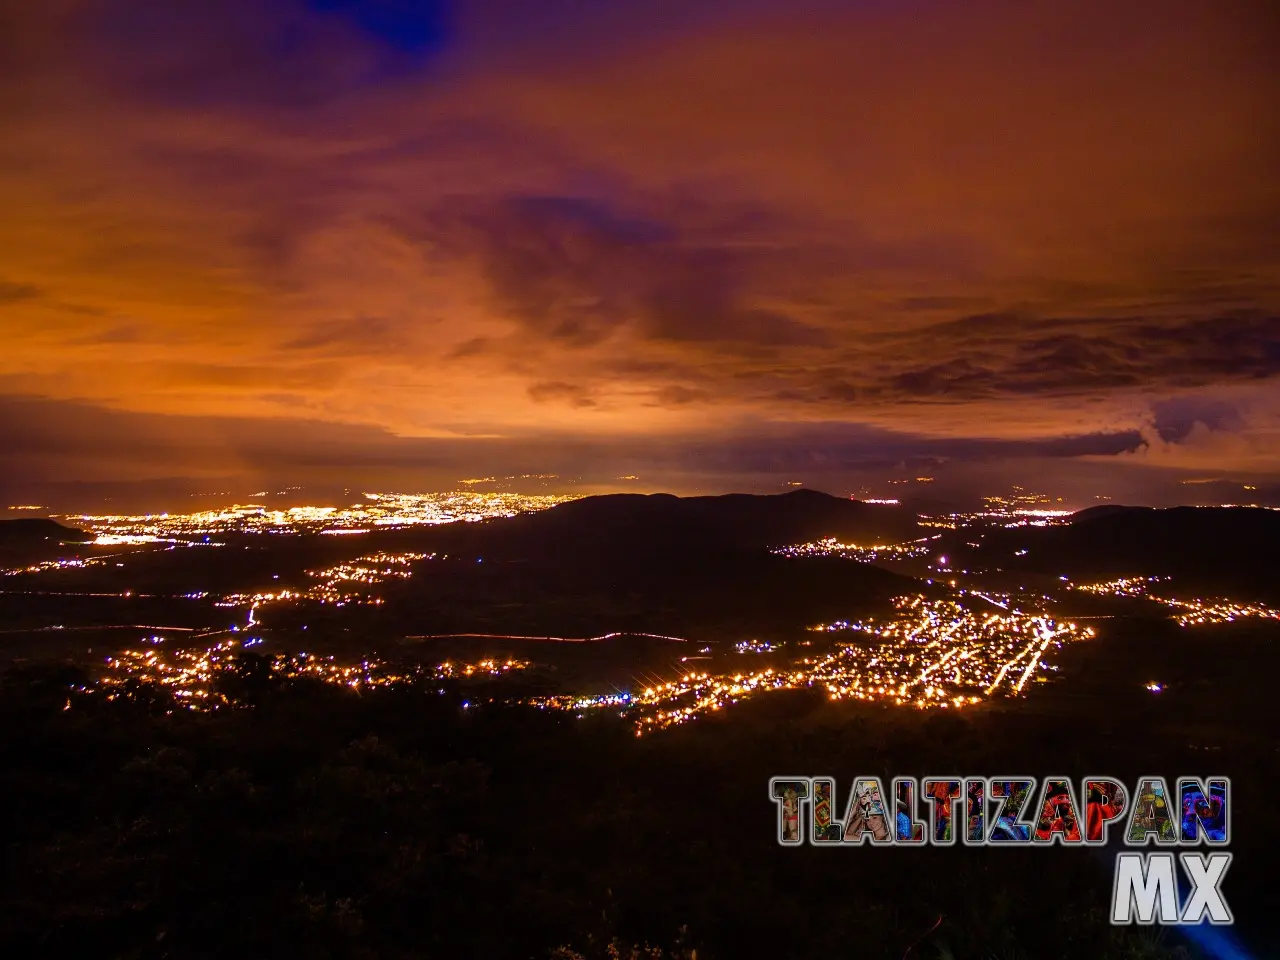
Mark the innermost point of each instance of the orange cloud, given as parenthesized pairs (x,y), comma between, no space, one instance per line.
(986,221)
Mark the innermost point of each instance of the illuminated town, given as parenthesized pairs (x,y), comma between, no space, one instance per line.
(341,584)
(196,677)
(376,511)
(929,654)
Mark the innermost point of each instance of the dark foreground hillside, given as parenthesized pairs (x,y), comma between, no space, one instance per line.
(325,824)
(28,530)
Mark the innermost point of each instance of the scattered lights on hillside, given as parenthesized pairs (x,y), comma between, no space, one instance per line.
(1122,587)
(129,539)
(1188,613)
(347,582)
(45,566)
(344,583)
(831,547)
(207,678)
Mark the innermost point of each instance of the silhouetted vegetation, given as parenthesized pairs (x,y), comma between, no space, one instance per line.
(321,823)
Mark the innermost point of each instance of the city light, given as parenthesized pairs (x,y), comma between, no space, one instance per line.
(198,677)
(1188,613)
(928,654)
(375,511)
(869,553)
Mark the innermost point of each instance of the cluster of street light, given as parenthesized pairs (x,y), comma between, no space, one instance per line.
(756,646)
(341,584)
(45,566)
(348,582)
(192,675)
(1189,613)
(933,651)
(869,553)
(929,653)
(1017,509)
(1120,587)
(1194,613)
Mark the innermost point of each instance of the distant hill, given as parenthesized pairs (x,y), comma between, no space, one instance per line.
(657,563)
(1231,551)
(1105,510)
(29,530)
(662,523)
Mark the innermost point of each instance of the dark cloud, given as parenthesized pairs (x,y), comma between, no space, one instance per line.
(564,267)
(17,292)
(252,54)
(1235,346)
(994,355)
(44,435)
(948,303)
(122,333)
(1175,419)
(575,270)
(678,396)
(469,348)
(554,391)
(955,378)
(367,335)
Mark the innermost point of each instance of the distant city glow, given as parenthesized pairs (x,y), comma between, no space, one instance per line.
(376,511)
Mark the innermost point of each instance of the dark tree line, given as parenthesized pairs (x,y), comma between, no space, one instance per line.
(394,824)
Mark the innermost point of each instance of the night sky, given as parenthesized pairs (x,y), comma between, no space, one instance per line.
(714,244)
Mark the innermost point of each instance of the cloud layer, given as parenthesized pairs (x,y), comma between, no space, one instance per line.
(986,229)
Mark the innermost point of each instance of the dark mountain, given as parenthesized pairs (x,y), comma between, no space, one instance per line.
(665,524)
(1105,510)
(656,563)
(1229,551)
(28,530)
(728,593)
